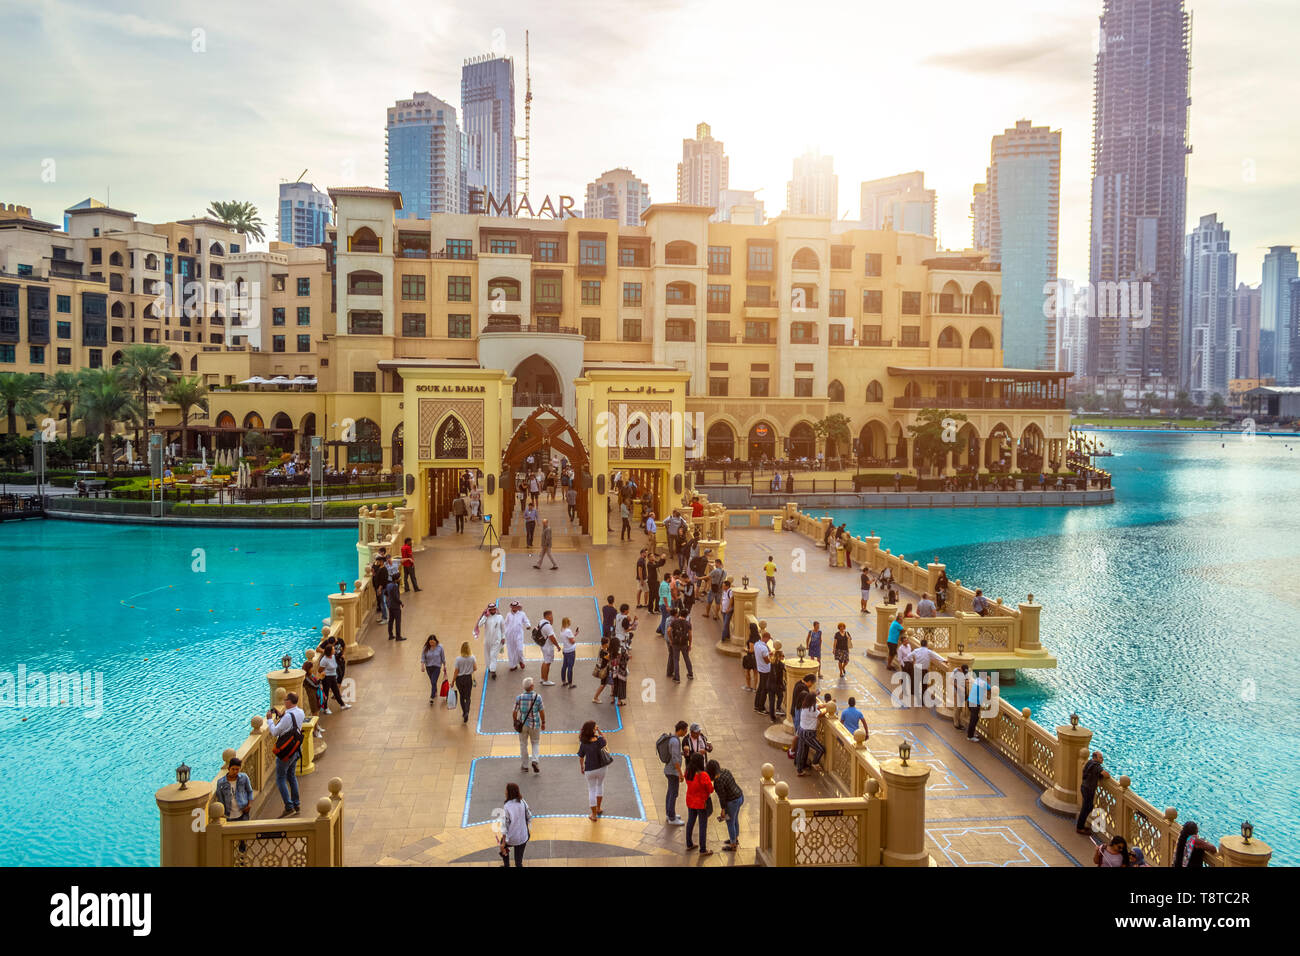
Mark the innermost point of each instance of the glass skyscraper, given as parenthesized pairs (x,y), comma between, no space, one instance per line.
(303,215)
(1275,358)
(487,103)
(425,156)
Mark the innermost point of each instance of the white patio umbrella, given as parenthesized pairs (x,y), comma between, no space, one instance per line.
(255,380)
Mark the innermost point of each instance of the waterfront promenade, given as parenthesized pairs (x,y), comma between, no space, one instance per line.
(414,776)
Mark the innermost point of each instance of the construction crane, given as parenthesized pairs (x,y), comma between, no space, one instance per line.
(528,116)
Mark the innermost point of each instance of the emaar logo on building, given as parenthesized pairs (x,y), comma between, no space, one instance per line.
(76,909)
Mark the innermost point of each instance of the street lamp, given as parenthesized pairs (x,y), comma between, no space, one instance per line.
(286,661)
(904,751)
(183,774)
(1247,831)
(1074,721)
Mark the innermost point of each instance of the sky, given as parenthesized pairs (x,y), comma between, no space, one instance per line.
(172,104)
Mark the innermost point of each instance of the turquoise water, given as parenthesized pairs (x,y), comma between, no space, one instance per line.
(1174,615)
(178,685)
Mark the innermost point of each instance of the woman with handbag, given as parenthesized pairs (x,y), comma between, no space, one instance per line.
(593,758)
(601,670)
(748,662)
(699,801)
(465,667)
(433,659)
(515,817)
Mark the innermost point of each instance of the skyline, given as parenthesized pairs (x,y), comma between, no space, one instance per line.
(319,102)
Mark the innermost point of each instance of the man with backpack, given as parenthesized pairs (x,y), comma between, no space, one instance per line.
(679,645)
(716,577)
(286,728)
(669,749)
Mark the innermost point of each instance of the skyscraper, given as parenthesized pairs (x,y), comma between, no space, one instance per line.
(1275,358)
(1023,204)
(702,173)
(1209,286)
(813,190)
(303,214)
(1244,351)
(741,206)
(424,156)
(487,105)
(1139,187)
(979,214)
(617,195)
(901,203)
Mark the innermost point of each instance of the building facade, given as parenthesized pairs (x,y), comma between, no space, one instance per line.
(981,235)
(741,206)
(617,195)
(901,203)
(813,189)
(424,152)
(487,105)
(303,215)
(1139,185)
(1275,359)
(703,171)
(1209,347)
(1245,331)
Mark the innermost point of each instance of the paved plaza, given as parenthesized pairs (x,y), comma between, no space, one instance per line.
(421,785)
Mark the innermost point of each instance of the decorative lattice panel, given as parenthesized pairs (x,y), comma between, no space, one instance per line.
(432,411)
(657,412)
(278,849)
(826,841)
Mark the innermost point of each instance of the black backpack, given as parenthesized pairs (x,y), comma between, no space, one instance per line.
(538,637)
(661,748)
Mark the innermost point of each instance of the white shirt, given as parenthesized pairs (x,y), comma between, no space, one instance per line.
(808,716)
(904,652)
(516,623)
(761,655)
(548,649)
(329,664)
(514,822)
(568,643)
(923,658)
(293,719)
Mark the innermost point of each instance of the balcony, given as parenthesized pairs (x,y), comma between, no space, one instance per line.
(540,328)
(803,340)
(759,340)
(537,399)
(982,402)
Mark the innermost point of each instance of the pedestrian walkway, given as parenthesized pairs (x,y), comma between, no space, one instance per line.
(417,783)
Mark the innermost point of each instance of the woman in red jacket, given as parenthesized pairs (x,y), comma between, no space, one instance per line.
(699,803)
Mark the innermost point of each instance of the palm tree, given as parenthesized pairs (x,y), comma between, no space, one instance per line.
(104,401)
(18,394)
(187,393)
(62,391)
(146,368)
(240,216)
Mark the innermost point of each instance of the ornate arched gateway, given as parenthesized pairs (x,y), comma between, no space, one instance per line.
(541,433)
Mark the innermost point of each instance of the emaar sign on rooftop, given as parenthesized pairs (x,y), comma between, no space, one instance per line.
(482,202)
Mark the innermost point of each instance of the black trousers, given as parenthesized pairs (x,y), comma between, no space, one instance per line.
(519,854)
(760,695)
(675,656)
(331,686)
(408,577)
(973,723)
(625,533)
(654,594)
(529,527)
(460,524)
(395,624)
(1088,797)
(464,684)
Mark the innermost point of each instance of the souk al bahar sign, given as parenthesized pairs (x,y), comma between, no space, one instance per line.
(482,202)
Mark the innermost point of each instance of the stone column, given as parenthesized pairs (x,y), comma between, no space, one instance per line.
(782,734)
(744,602)
(933,570)
(1235,851)
(1071,753)
(884,616)
(346,606)
(179,843)
(905,813)
(284,681)
(1030,644)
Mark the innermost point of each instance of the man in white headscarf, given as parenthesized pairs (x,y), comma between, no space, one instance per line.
(517,628)
(492,628)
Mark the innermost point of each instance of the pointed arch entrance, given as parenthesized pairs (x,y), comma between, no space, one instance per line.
(543,432)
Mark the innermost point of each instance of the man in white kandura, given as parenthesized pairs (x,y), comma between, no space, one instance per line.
(492,628)
(517,628)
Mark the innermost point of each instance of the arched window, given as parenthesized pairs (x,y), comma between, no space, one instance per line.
(117,311)
(452,440)
(151,261)
(874,392)
(175,362)
(981,338)
(115,259)
(981,299)
(281,423)
(117,358)
(253,420)
(364,240)
(951,300)
(183,245)
(949,338)
(504,288)
(762,441)
(366,448)
(721,441)
(681,293)
(835,391)
(398,445)
(216,250)
(805,258)
(639,439)
(225,420)
(365,282)
(803,441)
(679,253)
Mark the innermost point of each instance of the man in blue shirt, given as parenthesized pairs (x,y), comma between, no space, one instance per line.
(851,717)
(895,635)
(977,696)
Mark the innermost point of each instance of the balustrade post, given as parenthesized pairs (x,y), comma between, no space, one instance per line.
(782,735)
(180,841)
(782,830)
(1235,851)
(904,843)
(1029,643)
(884,617)
(348,608)
(933,570)
(284,681)
(1071,754)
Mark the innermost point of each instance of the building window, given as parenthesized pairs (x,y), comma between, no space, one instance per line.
(760,258)
(458,326)
(719,260)
(277,283)
(911,335)
(459,249)
(841,257)
(757,332)
(591,252)
(64,303)
(548,250)
(363,381)
(590,292)
(591,328)
(679,330)
(837,334)
(304,315)
(758,295)
(277,316)
(96,256)
(627,256)
(63,329)
(366,323)
(719,297)
(873,302)
(871,335)
(24,270)
(803,332)
(837,303)
(413,288)
(631,330)
(64,356)
(911,303)
(758,388)
(96,358)
(546,291)
(873,264)
(632,295)
(458,289)
(803,388)
(718,387)
(413,324)
(304,285)
(36,354)
(277,343)
(8,354)
(304,343)
(503,247)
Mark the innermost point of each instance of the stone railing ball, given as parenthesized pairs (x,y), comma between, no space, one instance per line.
(324,806)
(782,790)
(335,786)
